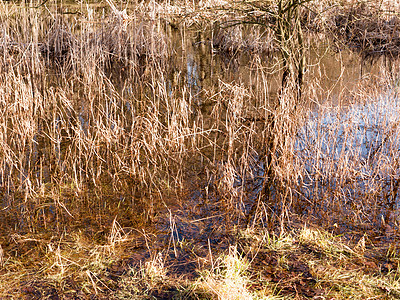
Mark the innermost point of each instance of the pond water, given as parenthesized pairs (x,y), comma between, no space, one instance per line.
(340,143)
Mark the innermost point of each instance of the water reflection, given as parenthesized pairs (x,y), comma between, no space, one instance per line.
(194,77)
(350,158)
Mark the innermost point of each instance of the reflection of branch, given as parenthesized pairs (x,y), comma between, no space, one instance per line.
(77,12)
(63,13)
(41,4)
(384,140)
(395,190)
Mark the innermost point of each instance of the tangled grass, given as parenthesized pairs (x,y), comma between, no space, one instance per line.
(123,173)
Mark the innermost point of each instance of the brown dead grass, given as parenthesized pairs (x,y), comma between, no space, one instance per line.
(101,151)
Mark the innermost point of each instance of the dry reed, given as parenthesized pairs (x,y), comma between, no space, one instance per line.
(95,137)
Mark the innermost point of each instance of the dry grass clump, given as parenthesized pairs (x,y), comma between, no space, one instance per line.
(352,273)
(371,28)
(309,262)
(85,42)
(76,111)
(302,262)
(236,40)
(76,267)
(227,279)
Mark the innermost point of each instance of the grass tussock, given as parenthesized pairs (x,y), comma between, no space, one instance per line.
(306,261)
